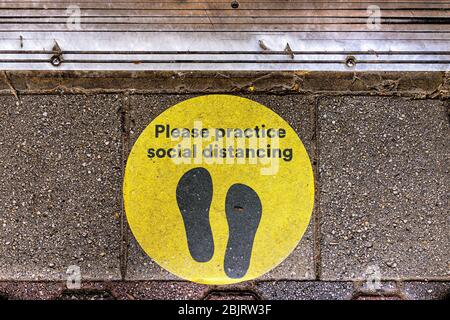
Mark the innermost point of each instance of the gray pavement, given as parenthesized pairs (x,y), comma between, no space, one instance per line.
(384,172)
(381,168)
(60,160)
(305,290)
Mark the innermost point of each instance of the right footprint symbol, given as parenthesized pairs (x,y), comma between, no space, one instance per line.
(243,210)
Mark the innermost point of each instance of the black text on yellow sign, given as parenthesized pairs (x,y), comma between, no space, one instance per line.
(218,189)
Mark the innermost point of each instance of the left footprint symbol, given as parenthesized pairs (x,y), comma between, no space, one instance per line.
(194,195)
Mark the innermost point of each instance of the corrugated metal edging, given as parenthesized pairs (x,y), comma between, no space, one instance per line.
(212,35)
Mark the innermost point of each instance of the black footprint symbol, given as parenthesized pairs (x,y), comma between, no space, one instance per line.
(194,195)
(243,208)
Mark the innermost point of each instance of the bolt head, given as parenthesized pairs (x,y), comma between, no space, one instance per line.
(55,60)
(350,62)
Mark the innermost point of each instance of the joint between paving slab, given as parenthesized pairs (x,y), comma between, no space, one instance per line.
(8,82)
(226,294)
(316,232)
(125,131)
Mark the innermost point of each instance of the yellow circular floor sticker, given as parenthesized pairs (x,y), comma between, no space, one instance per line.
(218,189)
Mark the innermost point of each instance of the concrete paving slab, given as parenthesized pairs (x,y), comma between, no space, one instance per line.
(297,110)
(305,290)
(299,265)
(103,290)
(159,290)
(60,160)
(422,290)
(30,290)
(384,172)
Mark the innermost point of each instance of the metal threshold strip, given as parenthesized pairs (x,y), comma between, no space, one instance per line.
(335,35)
